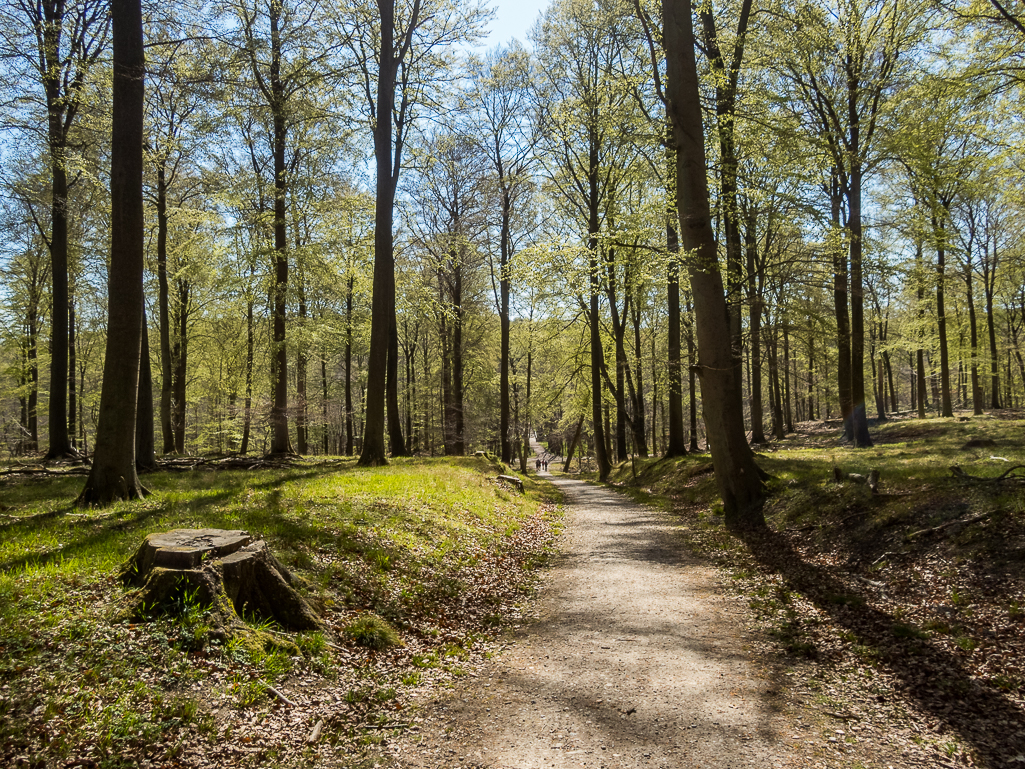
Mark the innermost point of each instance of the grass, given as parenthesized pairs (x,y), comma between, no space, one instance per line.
(398,546)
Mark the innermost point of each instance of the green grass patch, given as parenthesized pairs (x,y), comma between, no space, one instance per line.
(389,551)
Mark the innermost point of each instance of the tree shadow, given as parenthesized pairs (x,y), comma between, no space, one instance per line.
(938,682)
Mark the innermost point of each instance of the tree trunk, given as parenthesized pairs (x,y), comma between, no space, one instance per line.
(594,316)
(348,367)
(113,475)
(755,320)
(675,445)
(504,287)
(738,476)
(939,231)
(573,443)
(637,393)
(181,360)
(163,314)
(145,444)
(247,418)
(973,325)
(859,428)
(843,327)
(281,442)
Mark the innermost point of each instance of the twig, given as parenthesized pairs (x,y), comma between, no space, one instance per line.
(387,726)
(276,693)
(883,557)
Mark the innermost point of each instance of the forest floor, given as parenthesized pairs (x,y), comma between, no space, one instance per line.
(439,549)
(900,614)
(863,629)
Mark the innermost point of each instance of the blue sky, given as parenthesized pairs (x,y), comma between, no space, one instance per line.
(513,18)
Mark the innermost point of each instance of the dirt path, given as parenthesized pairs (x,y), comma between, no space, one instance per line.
(636,660)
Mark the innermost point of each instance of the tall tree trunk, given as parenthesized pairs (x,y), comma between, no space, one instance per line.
(738,476)
(459,443)
(840,310)
(348,366)
(382,311)
(594,316)
(504,287)
(692,384)
(788,412)
(754,287)
(281,442)
(811,369)
(324,402)
(675,444)
(32,406)
(637,393)
(113,475)
(163,313)
(989,281)
(302,411)
(939,231)
(859,428)
(396,441)
(72,369)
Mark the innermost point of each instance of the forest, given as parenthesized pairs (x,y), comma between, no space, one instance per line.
(653,384)
(863,184)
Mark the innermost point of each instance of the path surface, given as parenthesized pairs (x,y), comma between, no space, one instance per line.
(636,660)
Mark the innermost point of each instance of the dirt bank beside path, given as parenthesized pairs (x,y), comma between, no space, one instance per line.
(636,660)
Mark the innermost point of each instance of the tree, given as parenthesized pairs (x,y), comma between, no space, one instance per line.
(499,99)
(843,69)
(407,45)
(113,474)
(58,42)
(739,478)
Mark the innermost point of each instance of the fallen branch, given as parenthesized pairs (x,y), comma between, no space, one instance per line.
(956,521)
(882,558)
(315,734)
(276,693)
(960,474)
(387,726)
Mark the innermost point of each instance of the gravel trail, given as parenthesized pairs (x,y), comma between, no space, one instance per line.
(636,660)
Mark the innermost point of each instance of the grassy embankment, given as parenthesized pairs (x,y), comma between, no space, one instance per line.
(437,549)
(903,609)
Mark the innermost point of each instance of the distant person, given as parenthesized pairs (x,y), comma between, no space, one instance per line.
(545,465)
(537,465)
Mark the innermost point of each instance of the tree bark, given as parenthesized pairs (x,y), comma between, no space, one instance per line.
(113,475)
(163,313)
(348,366)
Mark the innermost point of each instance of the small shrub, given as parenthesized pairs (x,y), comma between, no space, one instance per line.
(372,632)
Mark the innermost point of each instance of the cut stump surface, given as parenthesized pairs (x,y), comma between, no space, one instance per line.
(227,570)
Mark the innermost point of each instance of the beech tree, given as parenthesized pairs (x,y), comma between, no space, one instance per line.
(738,477)
(113,473)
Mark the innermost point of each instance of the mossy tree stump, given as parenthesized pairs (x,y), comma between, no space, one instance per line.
(230,571)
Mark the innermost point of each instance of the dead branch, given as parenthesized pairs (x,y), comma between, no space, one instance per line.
(276,693)
(961,475)
(957,521)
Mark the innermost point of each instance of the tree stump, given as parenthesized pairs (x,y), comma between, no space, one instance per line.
(229,571)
